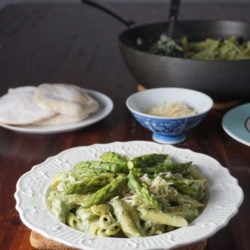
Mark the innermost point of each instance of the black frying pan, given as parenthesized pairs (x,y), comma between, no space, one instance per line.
(222,80)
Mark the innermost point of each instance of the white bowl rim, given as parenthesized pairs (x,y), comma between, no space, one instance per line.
(208,98)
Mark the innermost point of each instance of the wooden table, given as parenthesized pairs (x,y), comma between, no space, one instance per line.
(77,44)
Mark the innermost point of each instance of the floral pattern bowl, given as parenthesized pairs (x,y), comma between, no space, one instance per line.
(168,130)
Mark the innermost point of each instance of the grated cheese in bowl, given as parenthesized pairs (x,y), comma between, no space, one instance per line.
(174,109)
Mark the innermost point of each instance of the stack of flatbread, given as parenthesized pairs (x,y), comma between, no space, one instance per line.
(47,104)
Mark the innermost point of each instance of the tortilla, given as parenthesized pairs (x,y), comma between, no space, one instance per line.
(60,119)
(65,99)
(18,107)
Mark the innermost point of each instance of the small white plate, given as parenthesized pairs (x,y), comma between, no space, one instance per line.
(236,123)
(105,107)
(223,199)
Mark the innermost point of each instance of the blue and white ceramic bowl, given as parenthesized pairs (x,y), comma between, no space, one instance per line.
(167,129)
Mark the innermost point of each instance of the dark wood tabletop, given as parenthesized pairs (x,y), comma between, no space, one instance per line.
(74,43)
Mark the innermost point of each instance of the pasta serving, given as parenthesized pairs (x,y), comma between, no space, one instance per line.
(119,197)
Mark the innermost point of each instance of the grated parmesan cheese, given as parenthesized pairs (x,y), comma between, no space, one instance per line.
(174,109)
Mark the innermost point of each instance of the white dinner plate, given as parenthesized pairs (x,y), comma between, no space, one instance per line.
(223,199)
(105,107)
(236,123)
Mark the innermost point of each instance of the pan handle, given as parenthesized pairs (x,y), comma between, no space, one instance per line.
(173,15)
(97,5)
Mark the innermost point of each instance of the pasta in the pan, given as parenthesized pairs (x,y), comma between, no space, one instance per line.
(207,49)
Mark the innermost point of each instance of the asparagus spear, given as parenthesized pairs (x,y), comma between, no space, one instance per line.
(174,167)
(142,191)
(193,188)
(107,192)
(114,157)
(89,184)
(146,160)
(178,198)
(107,166)
(80,171)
